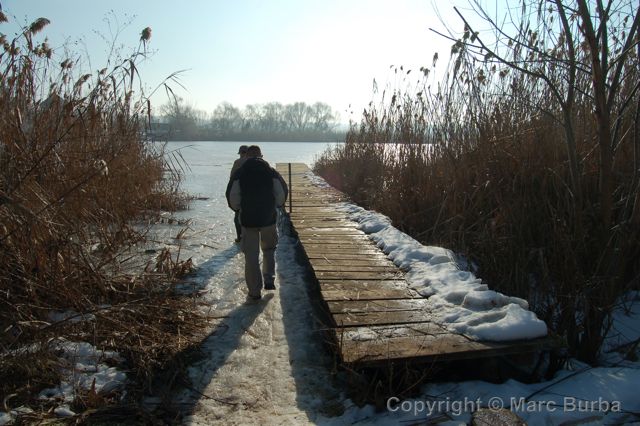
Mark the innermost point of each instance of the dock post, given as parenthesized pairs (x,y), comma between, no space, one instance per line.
(290,186)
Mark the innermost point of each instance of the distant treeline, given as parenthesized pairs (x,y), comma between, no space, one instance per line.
(257,122)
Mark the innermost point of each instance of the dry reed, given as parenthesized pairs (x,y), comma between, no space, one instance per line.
(75,173)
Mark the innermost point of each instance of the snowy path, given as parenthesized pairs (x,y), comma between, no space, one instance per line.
(268,364)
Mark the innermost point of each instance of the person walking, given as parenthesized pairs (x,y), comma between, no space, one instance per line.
(242,151)
(256,190)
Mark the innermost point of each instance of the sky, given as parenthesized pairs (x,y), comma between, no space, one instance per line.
(254,51)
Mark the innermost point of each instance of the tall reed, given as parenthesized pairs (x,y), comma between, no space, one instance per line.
(75,172)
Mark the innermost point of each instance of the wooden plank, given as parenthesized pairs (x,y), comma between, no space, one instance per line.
(395,331)
(350,267)
(348,234)
(314,203)
(428,348)
(343,232)
(322,249)
(320,254)
(350,240)
(363,284)
(366,294)
(318,211)
(354,319)
(301,214)
(365,261)
(346,256)
(359,275)
(320,219)
(327,244)
(335,221)
(301,197)
(339,247)
(336,239)
(377,305)
(330,230)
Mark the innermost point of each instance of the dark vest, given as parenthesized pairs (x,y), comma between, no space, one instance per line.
(258,206)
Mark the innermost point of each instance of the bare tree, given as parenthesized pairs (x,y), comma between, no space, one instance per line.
(585,55)
(183,119)
(298,116)
(227,119)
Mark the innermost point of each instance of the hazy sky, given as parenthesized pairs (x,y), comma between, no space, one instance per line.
(255,51)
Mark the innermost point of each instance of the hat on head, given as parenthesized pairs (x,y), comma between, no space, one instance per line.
(243,149)
(254,151)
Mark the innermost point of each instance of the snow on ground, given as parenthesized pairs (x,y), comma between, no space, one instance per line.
(623,339)
(603,395)
(268,363)
(457,299)
(84,368)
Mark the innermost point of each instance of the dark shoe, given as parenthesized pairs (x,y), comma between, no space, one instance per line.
(252,300)
(269,286)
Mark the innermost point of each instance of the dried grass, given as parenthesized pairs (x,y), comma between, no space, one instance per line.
(75,172)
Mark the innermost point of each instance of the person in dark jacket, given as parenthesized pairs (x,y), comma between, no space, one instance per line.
(242,152)
(256,190)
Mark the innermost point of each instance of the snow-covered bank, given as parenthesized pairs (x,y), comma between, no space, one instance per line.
(456,298)
(84,369)
(592,395)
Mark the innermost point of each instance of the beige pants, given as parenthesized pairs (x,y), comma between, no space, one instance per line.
(254,239)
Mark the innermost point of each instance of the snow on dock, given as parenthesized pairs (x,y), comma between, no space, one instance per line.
(389,298)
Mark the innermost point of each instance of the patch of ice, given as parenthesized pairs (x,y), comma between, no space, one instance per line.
(620,347)
(13,414)
(70,315)
(361,334)
(84,369)
(64,411)
(317,180)
(5,418)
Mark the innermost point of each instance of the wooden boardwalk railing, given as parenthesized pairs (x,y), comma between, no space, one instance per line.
(375,316)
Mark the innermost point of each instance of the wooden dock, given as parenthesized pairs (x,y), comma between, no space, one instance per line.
(374,316)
